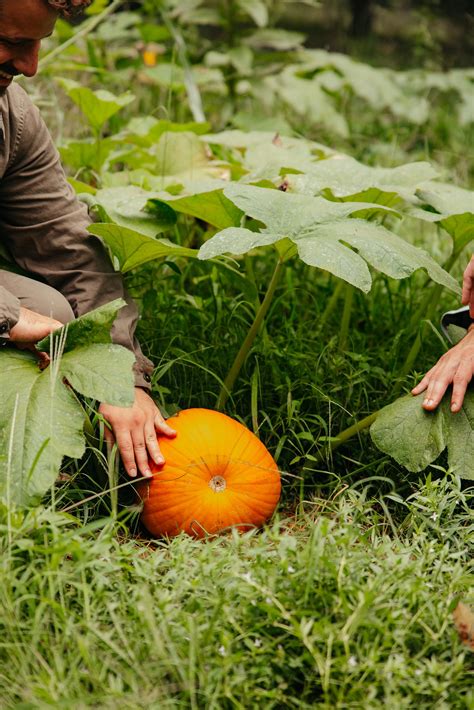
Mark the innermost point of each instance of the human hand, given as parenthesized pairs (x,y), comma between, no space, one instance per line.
(455,367)
(467,298)
(135,431)
(32,327)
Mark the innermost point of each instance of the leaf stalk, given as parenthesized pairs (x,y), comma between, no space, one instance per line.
(228,384)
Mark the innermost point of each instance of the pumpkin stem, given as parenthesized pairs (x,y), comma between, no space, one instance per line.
(241,356)
(218,484)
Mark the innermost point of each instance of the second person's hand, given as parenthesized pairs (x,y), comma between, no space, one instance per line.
(455,367)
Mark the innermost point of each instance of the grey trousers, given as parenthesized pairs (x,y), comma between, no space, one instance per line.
(37,296)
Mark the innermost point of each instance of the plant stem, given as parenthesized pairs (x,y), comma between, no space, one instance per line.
(331,305)
(241,356)
(192,90)
(83,32)
(346,316)
(347,434)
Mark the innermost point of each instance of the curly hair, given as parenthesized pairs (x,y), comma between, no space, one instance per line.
(69,8)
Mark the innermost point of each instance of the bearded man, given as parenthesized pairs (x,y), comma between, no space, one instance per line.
(44,228)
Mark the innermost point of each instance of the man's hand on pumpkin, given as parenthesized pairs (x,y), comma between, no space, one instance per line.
(455,367)
(135,429)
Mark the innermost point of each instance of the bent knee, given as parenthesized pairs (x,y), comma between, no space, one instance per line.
(37,296)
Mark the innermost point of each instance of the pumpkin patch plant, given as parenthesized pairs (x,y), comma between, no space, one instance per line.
(217,474)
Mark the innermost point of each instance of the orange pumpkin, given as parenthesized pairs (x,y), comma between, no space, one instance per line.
(216,474)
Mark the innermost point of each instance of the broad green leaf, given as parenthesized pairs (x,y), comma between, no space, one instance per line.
(454,210)
(258,120)
(460,227)
(81,187)
(127,206)
(380,88)
(457,80)
(459,432)
(97,106)
(305,98)
(241,58)
(146,130)
(200,200)
(92,327)
(244,140)
(412,436)
(346,178)
(142,178)
(133,249)
(270,160)
(168,75)
(41,420)
(87,153)
(171,76)
(324,236)
(202,16)
(415,438)
(185,157)
(447,199)
(278,39)
(256,9)
(101,371)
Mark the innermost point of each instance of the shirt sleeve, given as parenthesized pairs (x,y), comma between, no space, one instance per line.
(44,227)
(9,312)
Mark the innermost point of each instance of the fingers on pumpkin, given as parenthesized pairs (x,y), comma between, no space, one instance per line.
(140,453)
(152,444)
(163,427)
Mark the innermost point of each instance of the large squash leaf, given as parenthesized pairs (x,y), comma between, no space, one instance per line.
(303,97)
(412,436)
(40,422)
(204,200)
(324,236)
(243,140)
(97,106)
(41,419)
(415,438)
(378,87)
(454,210)
(270,160)
(128,207)
(92,327)
(348,179)
(133,249)
(185,157)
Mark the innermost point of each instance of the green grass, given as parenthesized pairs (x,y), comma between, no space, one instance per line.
(346,604)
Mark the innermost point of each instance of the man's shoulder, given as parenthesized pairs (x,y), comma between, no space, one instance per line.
(15,100)
(20,124)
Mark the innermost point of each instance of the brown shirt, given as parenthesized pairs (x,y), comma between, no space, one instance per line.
(43,226)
